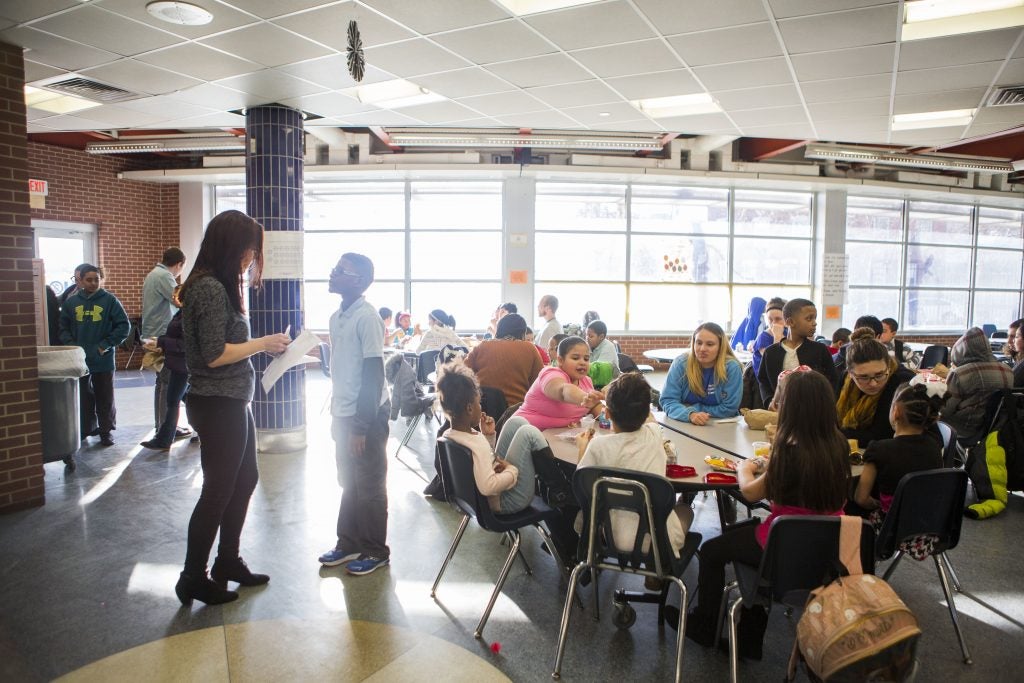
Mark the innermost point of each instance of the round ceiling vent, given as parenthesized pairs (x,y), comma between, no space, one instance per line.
(180,13)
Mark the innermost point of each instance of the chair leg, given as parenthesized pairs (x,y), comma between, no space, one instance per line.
(892,565)
(409,432)
(563,631)
(594,574)
(451,551)
(526,565)
(734,650)
(563,570)
(952,608)
(478,633)
(729,588)
(951,572)
(681,633)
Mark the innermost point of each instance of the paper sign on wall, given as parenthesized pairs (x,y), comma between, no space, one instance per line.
(282,254)
(834,278)
(517,277)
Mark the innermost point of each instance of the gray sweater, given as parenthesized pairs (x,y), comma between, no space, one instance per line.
(209,324)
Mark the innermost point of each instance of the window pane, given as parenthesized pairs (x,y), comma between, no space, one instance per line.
(936,310)
(321,304)
(680,210)
(997,269)
(662,258)
(741,296)
(998,308)
(228,197)
(470,304)
(868,218)
(677,307)
(322,250)
(875,263)
(580,257)
(354,206)
(767,260)
(881,303)
(999,228)
(781,214)
(572,206)
(939,223)
(455,206)
(434,255)
(938,266)
(575,299)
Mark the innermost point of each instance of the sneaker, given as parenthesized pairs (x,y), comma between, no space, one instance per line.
(332,558)
(365,565)
(154,446)
(106,439)
(182,432)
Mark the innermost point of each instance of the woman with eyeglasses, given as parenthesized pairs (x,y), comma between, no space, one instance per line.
(867,389)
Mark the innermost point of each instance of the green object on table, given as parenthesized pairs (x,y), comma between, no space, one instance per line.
(601,373)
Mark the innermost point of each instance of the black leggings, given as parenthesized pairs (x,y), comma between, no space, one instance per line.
(228,454)
(736,545)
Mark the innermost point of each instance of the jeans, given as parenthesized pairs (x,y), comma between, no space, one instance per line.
(228,455)
(177,384)
(363,513)
(516,443)
(97,411)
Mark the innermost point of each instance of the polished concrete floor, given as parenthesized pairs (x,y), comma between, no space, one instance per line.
(87,584)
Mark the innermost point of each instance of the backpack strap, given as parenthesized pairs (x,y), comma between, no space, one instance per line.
(849,544)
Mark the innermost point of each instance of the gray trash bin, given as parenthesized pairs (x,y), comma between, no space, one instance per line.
(59,370)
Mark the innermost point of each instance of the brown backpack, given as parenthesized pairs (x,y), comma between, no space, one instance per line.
(856,628)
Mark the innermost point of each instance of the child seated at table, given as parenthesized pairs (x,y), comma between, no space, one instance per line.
(705,383)
(636,444)
(915,408)
(798,348)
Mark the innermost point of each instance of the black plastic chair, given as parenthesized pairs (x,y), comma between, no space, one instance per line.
(457,478)
(801,552)
(627,364)
(929,502)
(133,342)
(426,363)
(602,491)
(952,455)
(933,355)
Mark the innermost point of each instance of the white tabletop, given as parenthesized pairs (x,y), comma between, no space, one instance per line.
(732,435)
(669,355)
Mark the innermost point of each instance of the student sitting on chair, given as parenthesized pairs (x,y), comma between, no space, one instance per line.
(602,350)
(562,395)
(840,338)
(705,383)
(975,375)
(798,348)
(773,333)
(441,332)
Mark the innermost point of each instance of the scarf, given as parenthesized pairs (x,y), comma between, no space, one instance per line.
(857,409)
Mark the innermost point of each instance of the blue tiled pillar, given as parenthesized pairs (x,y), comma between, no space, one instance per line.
(273,179)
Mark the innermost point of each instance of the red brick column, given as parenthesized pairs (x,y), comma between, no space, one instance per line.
(21,456)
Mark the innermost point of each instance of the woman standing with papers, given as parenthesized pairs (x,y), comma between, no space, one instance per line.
(217,352)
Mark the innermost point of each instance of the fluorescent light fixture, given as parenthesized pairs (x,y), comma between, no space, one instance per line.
(677,105)
(933,119)
(934,18)
(887,157)
(462,140)
(523,7)
(227,143)
(393,94)
(55,102)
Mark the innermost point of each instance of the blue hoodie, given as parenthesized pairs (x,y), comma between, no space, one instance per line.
(94,322)
(751,325)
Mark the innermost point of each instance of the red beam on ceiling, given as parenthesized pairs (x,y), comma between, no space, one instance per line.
(383,136)
(1005,144)
(759,149)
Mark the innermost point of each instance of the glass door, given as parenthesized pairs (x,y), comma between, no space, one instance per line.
(62,246)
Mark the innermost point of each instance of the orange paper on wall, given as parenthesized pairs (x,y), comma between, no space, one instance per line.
(832,312)
(517,277)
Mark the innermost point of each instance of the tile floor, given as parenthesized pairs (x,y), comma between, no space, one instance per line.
(87,584)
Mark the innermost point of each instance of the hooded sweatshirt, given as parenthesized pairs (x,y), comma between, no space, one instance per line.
(751,325)
(976,374)
(94,321)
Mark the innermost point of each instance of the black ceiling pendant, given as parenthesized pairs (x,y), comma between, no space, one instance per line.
(356,60)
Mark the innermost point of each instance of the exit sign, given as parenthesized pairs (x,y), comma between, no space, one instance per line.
(38,187)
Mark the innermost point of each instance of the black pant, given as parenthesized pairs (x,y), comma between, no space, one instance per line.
(228,455)
(96,403)
(735,545)
(177,383)
(160,396)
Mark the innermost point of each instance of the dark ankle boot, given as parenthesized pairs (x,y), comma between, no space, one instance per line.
(236,570)
(750,632)
(204,590)
(553,480)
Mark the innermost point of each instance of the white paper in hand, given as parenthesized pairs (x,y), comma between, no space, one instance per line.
(292,356)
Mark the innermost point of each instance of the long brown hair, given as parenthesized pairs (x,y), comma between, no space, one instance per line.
(228,236)
(810,462)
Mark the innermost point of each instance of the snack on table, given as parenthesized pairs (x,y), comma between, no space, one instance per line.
(762,449)
(940,370)
(720,464)
(759,418)
(769,431)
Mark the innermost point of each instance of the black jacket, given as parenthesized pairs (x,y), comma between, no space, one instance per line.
(880,427)
(813,354)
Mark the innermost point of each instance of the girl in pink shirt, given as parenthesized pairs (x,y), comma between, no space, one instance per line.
(563,394)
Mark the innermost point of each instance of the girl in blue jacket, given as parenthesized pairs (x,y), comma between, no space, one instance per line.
(705,383)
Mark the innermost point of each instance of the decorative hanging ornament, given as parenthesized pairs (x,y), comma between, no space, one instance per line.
(356,60)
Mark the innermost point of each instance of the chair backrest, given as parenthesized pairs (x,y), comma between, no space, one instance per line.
(460,485)
(325,359)
(989,329)
(928,502)
(602,490)
(626,364)
(935,354)
(949,448)
(426,363)
(801,552)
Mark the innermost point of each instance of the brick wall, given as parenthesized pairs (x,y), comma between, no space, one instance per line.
(21,458)
(137,220)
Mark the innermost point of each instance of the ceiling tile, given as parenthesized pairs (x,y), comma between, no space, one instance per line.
(133,75)
(266,44)
(199,61)
(502,104)
(268,9)
(819,32)
(381,118)
(98,28)
(854,61)
(544,70)
(26,10)
(634,126)
(758,98)
(772,116)
(947,78)
(113,116)
(988,128)
(938,101)
(719,46)
(591,25)
(220,119)
(216,97)
(872,130)
(329,25)
(539,119)
(166,106)
(1012,73)
(772,71)
(439,15)
(701,123)
(850,110)
(413,57)
(575,94)
(1009,113)
(661,84)
(332,72)
(781,130)
(464,83)
(37,72)
(439,112)
(952,50)
(329,104)
(616,111)
(225,18)
(54,51)
(628,58)
(795,8)
(673,16)
(497,42)
(271,85)
(929,136)
(856,88)
(71,122)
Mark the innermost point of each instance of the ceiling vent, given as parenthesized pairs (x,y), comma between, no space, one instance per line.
(1013,94)
(90,90)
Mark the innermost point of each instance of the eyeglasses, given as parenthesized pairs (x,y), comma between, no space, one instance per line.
(870,379)
(341,271)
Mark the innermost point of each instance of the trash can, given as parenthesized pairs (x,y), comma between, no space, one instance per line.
(59,370)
